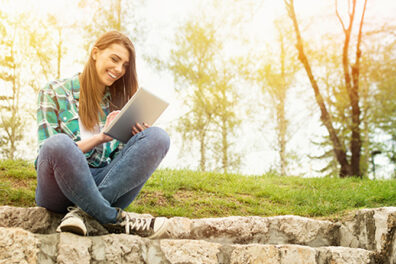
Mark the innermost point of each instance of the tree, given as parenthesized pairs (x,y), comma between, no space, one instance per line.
(275,76)
(106,15)
(207,82)
(191,63)
(10,118)
(225,117)
(377,96)
(351,75)
(379,67)
(26,52)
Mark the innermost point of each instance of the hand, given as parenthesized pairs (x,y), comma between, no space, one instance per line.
(139,128)
(110,117)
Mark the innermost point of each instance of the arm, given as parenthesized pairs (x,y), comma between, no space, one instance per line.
(88,144)
(47,115)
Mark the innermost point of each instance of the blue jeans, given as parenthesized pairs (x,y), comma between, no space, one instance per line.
(64,177)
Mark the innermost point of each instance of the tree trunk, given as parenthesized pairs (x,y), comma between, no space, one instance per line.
(325,117)
(13,129)
(202,164)
(225,145)
(59,51)
(281,116)
(118,10)
(352,86)
(366,130)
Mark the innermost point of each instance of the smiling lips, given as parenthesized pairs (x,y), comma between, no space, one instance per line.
(113,76)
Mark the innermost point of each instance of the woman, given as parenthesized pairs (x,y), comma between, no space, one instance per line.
(81,169)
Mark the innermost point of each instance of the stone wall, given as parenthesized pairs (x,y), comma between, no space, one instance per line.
(27,235)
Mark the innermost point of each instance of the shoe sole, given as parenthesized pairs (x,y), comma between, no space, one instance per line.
(160,232)
(73,229)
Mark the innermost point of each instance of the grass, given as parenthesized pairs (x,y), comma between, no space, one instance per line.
(207,194)
(17,183)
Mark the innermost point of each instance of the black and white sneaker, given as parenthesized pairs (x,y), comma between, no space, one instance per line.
(153,227)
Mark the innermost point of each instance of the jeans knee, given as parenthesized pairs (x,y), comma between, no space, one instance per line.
(56,144)
(159,137)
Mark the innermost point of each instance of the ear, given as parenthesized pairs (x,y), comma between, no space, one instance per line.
(94,53)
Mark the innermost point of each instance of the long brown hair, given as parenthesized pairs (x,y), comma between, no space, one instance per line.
(121,90)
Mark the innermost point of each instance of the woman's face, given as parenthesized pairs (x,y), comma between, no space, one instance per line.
(111,63)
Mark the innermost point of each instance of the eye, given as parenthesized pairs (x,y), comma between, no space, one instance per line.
(114,59)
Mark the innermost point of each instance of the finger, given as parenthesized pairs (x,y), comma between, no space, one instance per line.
(139,127)
(111,116)
(134,130)
(146,125)
(114,113)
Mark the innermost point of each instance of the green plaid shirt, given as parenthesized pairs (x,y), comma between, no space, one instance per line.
(58,113)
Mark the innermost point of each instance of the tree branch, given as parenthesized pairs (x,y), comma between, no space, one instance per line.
(339,17)
(358,51)
(338,147)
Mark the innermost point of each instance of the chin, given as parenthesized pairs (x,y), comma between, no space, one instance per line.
(108,82)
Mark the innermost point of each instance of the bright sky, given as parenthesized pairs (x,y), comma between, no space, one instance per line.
(163,17)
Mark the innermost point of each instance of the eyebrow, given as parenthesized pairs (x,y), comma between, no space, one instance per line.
(126,62)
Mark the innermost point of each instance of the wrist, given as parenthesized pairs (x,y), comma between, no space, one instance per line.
(100,138)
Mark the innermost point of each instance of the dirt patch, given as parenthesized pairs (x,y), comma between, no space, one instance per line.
(157,198)
(185,195)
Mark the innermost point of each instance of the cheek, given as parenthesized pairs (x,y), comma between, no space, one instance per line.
(98,66)
(101,65)
(123,72)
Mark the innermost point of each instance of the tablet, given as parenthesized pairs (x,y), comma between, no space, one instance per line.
(143,107)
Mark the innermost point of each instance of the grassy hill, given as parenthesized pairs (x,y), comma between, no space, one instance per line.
(198,194)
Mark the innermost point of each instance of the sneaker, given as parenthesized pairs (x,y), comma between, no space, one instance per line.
(152,227)
(73,222)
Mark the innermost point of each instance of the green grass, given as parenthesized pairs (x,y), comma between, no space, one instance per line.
(198,194)
(17,183)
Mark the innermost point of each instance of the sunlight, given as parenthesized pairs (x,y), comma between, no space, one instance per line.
(159,22)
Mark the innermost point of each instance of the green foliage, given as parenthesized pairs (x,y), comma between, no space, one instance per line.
(26,49)
(380,64)
(10,68)
(207,82)
(377,93)
(275,74)
(106,15)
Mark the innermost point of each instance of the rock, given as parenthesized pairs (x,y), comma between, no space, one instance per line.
(40,220)
(265,254)
(120,248)
(366,228)
(48,248)
(33,219)
(254,229)
(17,246)
(190,251)
(27,235)
(74,249)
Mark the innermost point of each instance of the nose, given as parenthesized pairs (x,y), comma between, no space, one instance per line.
(119,68)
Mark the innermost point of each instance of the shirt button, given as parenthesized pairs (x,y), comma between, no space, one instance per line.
(64,118)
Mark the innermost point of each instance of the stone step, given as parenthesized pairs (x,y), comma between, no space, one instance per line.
(362,229)
(373,230)
(253,229)
(234,229)
(21,246)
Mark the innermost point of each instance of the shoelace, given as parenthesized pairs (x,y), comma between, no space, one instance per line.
(136,224)
(73,210)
